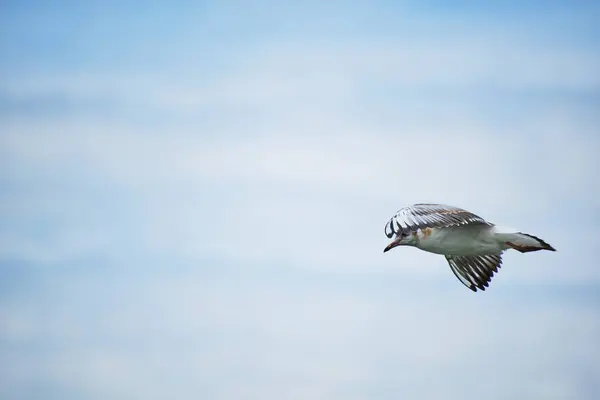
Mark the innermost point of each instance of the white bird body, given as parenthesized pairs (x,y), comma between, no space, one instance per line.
(472,246)
(459,240)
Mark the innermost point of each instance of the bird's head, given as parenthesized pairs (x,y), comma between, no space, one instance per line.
(401,239)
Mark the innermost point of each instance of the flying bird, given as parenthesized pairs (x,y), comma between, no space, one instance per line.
(472,246)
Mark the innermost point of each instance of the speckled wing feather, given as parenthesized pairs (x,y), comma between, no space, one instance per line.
(419,216)
(475,272)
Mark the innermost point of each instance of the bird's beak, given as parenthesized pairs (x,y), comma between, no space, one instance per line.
(393,243)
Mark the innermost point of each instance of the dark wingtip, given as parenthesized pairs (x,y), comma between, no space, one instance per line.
(545,245)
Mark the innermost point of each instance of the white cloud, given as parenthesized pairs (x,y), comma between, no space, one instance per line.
(319,199)
(315,199)
(244,335)
(278,74)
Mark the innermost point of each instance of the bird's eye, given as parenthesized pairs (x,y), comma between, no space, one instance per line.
(404,234)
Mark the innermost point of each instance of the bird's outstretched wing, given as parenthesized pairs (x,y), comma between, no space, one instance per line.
(419,216)
(475,272)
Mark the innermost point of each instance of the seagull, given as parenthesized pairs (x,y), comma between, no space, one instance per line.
(472,246)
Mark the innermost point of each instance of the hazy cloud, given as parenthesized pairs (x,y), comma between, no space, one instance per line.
(199,210)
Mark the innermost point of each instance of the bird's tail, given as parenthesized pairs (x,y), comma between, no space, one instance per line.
(525,242)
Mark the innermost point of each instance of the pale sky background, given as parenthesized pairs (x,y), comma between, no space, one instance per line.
(193,198)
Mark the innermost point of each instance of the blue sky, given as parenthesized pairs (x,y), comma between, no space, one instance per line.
(194,194)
